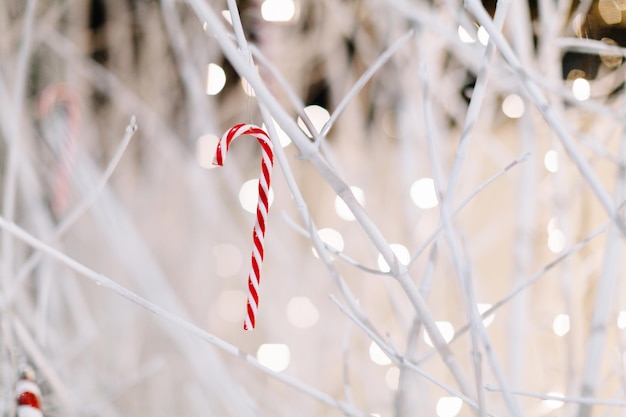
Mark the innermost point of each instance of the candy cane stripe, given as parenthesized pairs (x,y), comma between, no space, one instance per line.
(262,209)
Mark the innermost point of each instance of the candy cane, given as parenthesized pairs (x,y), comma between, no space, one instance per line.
(59,94)
(258,233)
(28,395)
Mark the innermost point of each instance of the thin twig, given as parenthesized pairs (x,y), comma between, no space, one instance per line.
(105,282)
(76,213)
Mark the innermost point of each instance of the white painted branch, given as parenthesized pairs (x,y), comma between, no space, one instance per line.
(106,282)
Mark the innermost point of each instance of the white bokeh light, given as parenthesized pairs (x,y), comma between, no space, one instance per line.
(464,36)
(342,209)
(278,10)
(392,377)
(553,404)
(275,356)
(581,89)
(401,252)
(330,237)
(378,356)
(449,406)
(556,241)
(423,193)
(227,259)
(302,313)
(205,150)
(513,106)
(318,116)
(215,79)
(249,195)
(226,15)
(230,305)
(283,137)
(482,307)
(483,36)
(561,325)
(446,329)
(621,320)
(551,161)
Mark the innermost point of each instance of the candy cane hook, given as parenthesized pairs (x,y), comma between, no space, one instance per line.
(262,208)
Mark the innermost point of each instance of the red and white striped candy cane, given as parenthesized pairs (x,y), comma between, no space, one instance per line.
(258,234)
(28,395)
(60,94)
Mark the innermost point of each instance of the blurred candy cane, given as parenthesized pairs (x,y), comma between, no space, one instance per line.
(28,395)
(254,278)
(53,96)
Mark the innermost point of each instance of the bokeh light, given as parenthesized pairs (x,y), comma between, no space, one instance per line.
(318,116)
(445,328)
(423,193)
(401,252)
(274,356)
(302,313)
(231,305)
(330,237)
(377,355)
(227,259)
(561,325)
(513,106)
(551,161)
(205,150)
(581,89)
(341,208)
(249,195)
(464,36)
(553,404)
(215,79)
(449,406)
(278,10)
